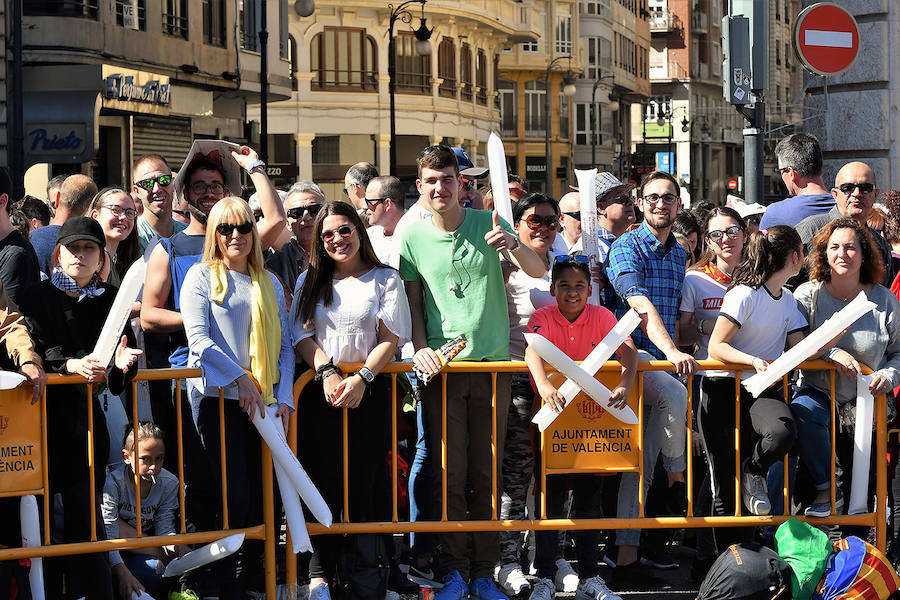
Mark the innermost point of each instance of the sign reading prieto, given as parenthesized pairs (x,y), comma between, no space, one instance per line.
(55,141)
(826,38)
(586,438)
(21,467)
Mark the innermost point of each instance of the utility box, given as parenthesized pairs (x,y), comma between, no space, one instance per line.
(737,76)
(758,13)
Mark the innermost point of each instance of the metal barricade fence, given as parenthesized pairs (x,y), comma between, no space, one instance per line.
(269,530)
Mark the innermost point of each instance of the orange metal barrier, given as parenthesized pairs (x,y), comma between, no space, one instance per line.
(267,531)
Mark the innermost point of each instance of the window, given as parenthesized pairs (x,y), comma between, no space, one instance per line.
(587,124)
(593,67)
(535,121)
(61,8)
(777,54)
(787,55)
(716,59)
(508,106)
(563,33)
(564,103)
(344,59)
(413,70)
(539,45)
(214,22)
(447,68)
(787,14)
(247,17)
(137,11)
(283,35)
(594,7)
(465,72)
(175,18)
(481,77)
(326,150)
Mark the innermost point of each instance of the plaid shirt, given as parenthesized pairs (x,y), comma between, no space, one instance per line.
(639,265)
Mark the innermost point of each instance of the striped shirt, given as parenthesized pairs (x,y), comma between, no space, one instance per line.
(639,265)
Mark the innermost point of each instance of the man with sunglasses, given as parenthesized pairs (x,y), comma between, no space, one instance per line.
(154,187)
(800,169)
(302,204)
(384,208)
(570,220)
(854,192)
(355,182)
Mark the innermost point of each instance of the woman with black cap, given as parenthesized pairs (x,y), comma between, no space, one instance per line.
(65,314)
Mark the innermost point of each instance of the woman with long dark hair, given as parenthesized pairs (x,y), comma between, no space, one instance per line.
(348,307)
(116,211)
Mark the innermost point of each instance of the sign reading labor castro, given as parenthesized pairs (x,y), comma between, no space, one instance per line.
(586,438)
(21,467)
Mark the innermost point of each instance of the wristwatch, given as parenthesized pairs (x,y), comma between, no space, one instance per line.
(516,247)
(367,375)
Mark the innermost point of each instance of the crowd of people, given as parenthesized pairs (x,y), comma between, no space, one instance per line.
(256,292)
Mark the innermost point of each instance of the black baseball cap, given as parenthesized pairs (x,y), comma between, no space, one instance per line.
(81,228)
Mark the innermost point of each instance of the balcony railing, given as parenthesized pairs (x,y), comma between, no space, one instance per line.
(340,80)
(447,89)
(662,21)
(699,22)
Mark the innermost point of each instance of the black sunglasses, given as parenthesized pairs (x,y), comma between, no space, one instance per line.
(573,215)
(569,258)
(226,229)
(717,235)
(864,188)
(373,202)
(147,184)
(534,221)
(344,231)
(297,211)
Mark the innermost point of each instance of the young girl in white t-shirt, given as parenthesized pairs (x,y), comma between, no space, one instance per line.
(758,315)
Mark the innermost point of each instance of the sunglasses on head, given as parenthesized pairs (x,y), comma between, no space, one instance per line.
(147,184)
(864,188)
(297,211)
(534,221)
(717,235)
(468,184)
(226,229)
(344,231)
(571,258)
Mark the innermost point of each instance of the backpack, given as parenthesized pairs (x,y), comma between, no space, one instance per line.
(806,549)
(857,571)
(747,572)
(363,568)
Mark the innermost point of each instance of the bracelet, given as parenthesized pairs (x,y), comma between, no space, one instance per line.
(255,164)
(29,362)
(327,370)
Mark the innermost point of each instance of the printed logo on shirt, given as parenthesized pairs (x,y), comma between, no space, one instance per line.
(712,303)
(535,328)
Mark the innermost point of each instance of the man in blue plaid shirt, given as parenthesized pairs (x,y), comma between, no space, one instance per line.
(646,269)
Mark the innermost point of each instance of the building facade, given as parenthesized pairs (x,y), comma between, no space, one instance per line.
(338,113)
(106,82)
(615,36)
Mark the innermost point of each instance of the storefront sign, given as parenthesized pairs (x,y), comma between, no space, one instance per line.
(288,171)
(535,165)
(124,87)
(49,139)
(129,14)
(586,438)
(21,464)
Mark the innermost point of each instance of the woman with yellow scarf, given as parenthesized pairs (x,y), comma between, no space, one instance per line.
(238,334)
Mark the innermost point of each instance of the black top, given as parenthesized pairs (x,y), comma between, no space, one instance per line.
(18,265)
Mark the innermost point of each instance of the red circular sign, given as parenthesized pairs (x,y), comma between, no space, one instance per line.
(732,183)
(826,38)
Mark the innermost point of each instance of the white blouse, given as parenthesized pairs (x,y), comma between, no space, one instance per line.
(347,329)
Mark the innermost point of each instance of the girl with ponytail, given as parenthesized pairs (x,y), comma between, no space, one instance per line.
(758,315)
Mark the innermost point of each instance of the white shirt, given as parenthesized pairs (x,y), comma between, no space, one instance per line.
(702,296)
(524,295)
(387,247)
(347,329)
(417,212)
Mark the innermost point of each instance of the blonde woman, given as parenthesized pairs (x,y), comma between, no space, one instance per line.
(236,323)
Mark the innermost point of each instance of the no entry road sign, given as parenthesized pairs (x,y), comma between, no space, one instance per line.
(826,38)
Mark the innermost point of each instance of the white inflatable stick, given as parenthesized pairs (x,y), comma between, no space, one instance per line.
(289,499)
(862,447)
(300,481)
(10,380)
(584,380)
(499,178)
(31,537)
(128,293)
(143,595)
(811,344)
(205,555)
(590,365)
(589,243)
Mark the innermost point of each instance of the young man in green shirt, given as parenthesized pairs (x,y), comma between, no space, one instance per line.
(451,265)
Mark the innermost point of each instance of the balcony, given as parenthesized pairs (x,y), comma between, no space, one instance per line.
(699,23)
(662,21)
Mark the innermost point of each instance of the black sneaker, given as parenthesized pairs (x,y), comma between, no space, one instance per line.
(658,559)
(400,583)
(676,501)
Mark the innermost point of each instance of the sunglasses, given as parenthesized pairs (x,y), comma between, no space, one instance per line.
(667,199)
(534,221)
(717,235)
(201,188)
(226,229)
(782,170)
(573,215)
(344,231)
(297,211)
(620,199)
(571,258)
(864,188)
(147,184)
(429,149)
(468,185)
(373,202)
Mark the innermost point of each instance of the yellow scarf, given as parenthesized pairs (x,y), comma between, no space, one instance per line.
(265,327)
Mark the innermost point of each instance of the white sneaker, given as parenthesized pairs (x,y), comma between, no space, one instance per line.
(754,493)
(512,580)
(566,578)
(595,589)
(319,592)
(543,590)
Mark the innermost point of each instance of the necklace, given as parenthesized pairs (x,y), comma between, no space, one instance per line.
(852,295)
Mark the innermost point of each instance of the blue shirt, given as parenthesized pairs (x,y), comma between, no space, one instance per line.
(43,240)
(639,265)
(793,210)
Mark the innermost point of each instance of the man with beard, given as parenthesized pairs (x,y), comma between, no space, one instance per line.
(646,268)
(154,187)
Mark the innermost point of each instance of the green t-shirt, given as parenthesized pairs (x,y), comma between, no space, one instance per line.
(463,284)
(146,234)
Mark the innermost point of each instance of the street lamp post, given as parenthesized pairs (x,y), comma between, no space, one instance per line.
(568,90)
(423,34)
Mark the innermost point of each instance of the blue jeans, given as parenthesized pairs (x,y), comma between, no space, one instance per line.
(143,567)
(812,413)
(421,479)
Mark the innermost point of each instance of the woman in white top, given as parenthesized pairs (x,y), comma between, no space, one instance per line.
(348,307)
(756,317)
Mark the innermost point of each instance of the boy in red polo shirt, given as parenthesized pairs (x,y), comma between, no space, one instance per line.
(575,327)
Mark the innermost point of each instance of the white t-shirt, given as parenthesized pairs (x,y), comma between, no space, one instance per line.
(387,247)
(524,295)
(701,295)
(763,322)
(417,212)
